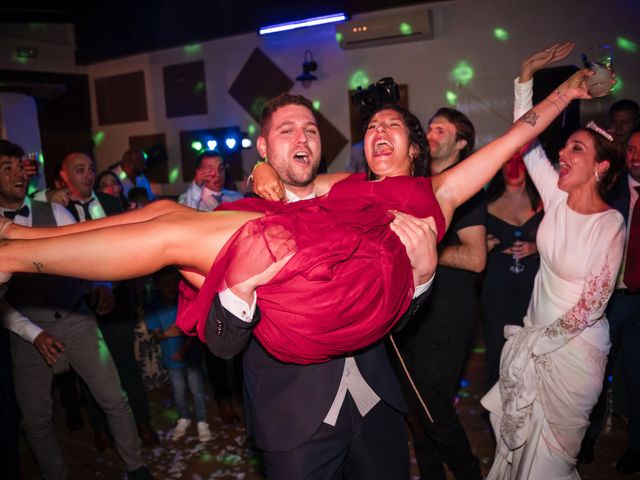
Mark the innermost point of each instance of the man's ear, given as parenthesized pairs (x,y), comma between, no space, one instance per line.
(261,145)
(64,176)
(460,144)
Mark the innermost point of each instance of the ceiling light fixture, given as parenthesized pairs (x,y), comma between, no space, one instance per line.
(309,22)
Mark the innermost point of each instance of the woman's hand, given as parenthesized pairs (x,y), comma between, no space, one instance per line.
(539,60)
(492,241)
(520,249)
(419,237)
(266,183)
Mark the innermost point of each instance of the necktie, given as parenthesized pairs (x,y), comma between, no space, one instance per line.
(11,214)
(632,266)
(85,208)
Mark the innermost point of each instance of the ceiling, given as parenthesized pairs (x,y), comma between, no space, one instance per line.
(112,30)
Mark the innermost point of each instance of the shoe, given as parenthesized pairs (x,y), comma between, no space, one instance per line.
(74,420)
(227,412)
(204,434)
(586,454)
(181,428)
(141,473)
(630,461)
(148,436)
(102,440)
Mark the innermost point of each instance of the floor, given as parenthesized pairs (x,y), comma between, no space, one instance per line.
(227,456)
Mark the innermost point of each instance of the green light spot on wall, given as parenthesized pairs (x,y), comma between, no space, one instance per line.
(174,174)
(452,98)
(197,146)
(257,106)
(20,60)
(339,37)
(122,175)
(316,104)
(251,129)
(462,73)
(98,137)
(626,45)
(32,189)
(617,88)
(192,49)
(199,87)
(41,158)
(405,29)
(501,34)
(358,79)
(37,26)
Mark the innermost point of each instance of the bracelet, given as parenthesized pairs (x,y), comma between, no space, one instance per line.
(259,162)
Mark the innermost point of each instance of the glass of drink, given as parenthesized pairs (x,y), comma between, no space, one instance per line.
(599,59)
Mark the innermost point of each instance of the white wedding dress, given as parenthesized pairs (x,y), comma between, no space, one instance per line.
(551,370)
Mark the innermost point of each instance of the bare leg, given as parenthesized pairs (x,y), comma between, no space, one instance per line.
(186,238)
(153,210)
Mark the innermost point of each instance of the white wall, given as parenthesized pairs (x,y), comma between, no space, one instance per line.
(464,31)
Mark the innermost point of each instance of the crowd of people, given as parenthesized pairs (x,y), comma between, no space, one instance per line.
(347,302)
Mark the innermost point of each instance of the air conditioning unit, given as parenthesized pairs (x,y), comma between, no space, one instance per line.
(386,27)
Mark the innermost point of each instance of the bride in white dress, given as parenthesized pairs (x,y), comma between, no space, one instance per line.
(551,370)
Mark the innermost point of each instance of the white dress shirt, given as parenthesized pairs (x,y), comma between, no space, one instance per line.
(10,318)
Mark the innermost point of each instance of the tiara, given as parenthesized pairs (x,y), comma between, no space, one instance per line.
(592,126)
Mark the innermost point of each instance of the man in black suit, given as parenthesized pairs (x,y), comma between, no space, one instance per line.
(78,172)
(338,419)
(623,314)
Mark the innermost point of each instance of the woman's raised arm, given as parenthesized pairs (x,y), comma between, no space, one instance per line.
(456,185)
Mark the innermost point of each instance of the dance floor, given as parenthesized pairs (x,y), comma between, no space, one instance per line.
(227,456)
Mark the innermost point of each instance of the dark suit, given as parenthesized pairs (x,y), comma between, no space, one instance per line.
(286,404)
(623,314)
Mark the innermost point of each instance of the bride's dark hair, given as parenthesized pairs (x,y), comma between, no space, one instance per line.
(421,163)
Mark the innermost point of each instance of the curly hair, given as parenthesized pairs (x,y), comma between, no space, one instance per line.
(421,166)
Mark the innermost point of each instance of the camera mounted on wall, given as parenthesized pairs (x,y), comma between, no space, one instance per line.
(385,91)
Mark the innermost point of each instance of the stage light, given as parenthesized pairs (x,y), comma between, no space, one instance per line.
(309,22)
(197,146)
(212,144)
(230,143)
(246,142)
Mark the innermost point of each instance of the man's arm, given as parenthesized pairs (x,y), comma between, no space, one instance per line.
(471,254)
(228,330)
(47,345)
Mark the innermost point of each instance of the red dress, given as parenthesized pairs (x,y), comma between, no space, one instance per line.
(347,284)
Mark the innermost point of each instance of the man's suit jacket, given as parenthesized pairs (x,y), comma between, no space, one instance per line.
(620,196)
(286,403)
(110,204)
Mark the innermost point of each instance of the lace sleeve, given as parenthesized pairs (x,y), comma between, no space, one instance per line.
(597,290)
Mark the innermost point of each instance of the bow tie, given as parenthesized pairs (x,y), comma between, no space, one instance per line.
(11,214)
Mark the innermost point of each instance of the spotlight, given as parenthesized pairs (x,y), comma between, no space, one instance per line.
(197,146)
(246,142)
(212,144)
(308,66)
(231,143)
